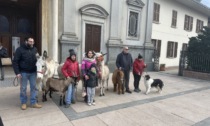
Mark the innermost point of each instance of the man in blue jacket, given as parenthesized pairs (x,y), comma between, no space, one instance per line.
(24,65)
(124,62)
(3,54)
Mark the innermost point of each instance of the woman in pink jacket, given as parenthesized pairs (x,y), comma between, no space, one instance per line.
(87,61)
(138,68)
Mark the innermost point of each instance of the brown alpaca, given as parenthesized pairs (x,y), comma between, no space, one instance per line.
(118,81)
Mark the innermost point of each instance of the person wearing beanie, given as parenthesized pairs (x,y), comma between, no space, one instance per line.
(138,68)
(71,69)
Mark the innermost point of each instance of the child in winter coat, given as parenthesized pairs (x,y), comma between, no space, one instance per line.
(91,83)
(138,68)
(71,69)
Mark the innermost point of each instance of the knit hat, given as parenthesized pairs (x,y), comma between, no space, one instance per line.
(139,56)
(72,52)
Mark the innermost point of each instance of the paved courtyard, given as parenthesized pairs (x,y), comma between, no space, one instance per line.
(183,102)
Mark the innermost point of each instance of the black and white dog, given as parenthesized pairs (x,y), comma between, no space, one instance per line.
(149,83)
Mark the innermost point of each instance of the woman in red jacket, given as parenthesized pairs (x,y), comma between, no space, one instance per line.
(71,69)
(138,68)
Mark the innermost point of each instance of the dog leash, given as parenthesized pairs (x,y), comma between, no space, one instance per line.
(16,81)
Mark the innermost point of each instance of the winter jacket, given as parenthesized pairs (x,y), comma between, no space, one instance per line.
(92,81)
(138,66)
(3,54)
(25,59)
(71,69)
(86,63)
(125,61)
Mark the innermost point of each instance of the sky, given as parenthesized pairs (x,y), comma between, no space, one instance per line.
(206,2)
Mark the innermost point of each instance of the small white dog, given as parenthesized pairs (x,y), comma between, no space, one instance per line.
(149,83)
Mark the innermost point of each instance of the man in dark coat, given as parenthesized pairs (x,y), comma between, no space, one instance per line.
(3,54)
(24,65)
(124,62)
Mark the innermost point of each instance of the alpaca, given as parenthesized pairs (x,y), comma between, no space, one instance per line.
(104,72)
(118,81)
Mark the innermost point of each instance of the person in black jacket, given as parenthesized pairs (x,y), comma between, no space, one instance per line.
(24,65)
(124,62)
(3,54)
(91,83)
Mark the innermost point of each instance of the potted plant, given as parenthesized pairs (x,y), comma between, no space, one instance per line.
(162,67)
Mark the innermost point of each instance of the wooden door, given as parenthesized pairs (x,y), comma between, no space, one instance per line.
(93,38)
(5,32)
(16,22)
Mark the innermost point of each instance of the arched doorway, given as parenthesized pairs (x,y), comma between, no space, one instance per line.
(19,18)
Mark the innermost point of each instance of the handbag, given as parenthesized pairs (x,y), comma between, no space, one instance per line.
(6,61)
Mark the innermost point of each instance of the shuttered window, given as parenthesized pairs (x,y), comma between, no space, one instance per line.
(157,45)
(156,12)
(184,47)
(199,26)
(174,18)
(188,23)
(172,49)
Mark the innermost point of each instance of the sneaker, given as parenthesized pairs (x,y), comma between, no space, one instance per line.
(36,106)
(67,106)
(93,103)
(136,90)
(128,91)
(139,90)
(2,79)
(89,104)
(23,106)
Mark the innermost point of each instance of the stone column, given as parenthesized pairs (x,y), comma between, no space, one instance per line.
(69,38)
(55,30)
(116,22)
(69,16)
(148,46)
(149,20)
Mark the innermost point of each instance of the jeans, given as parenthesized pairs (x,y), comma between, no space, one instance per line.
(90,94)
(2,72)
(31,77)
(70,94)
(126,77)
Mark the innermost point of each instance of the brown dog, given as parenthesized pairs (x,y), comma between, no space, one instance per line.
(118,81)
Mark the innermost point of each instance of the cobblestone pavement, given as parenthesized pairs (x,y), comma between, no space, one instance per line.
(9,77)
(183,102)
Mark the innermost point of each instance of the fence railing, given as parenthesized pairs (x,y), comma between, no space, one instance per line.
(199,62)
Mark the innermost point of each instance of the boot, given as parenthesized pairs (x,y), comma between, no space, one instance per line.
(23,106)
(36,106)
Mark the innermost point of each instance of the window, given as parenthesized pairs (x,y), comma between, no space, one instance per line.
(188,23)
(24,26)
(172,49)
(133,24)
(4,24)
(199,26)
(156,12)
(174,18)
(157,45)
(184,47)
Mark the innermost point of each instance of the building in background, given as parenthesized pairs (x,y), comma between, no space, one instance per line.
(60,25)
(174,22)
